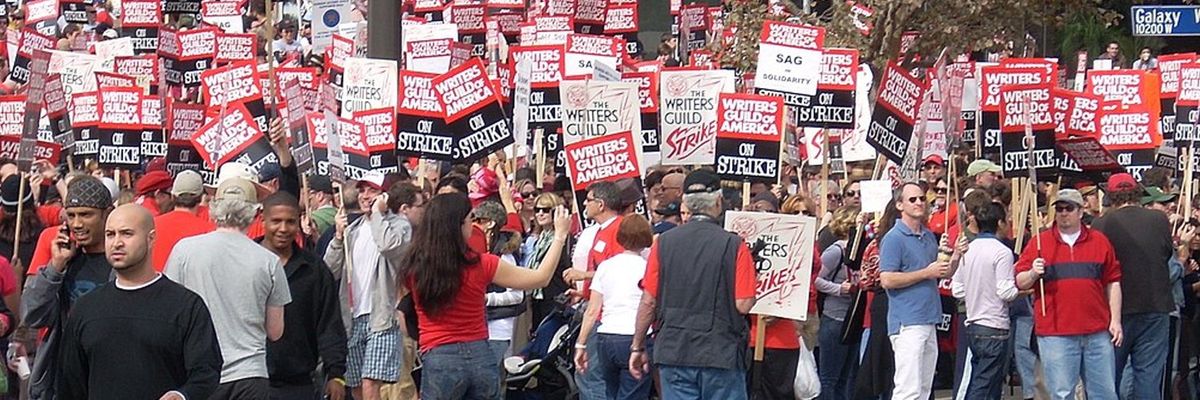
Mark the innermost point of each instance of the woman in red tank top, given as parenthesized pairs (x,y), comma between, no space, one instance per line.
(448,282)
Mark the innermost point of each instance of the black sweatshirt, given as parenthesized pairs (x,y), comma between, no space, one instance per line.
(139,344)
(312,327)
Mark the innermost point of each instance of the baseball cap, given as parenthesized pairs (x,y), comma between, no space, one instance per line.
(377,180)
(237,189)
(670,209)
(320,183)
(110,34)
(153,181)
(980,166)
(936,159)
(235,169)
(630,191)
(1070,196)
(269,172)
(1156,195)
(701,181)
(188,182)
(1121,182)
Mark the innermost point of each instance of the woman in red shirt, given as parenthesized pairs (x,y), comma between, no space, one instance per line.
(448,283)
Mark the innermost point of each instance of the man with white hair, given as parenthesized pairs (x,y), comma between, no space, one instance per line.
(698,287)
(244,286)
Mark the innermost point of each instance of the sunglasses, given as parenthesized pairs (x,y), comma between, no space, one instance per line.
(1065,208)
(834,196)
(543,210)
(941,190)
(851,193)
(528,194)
(915,199)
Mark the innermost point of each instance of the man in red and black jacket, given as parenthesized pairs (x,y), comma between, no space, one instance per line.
(1078,318)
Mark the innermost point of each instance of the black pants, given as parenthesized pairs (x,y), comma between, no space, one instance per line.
(773,377)
(297,392)
(243,389)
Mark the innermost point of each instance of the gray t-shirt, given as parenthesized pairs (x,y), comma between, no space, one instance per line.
(238,280)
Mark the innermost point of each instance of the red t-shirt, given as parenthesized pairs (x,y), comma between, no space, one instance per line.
(463,320)
(172,227)
(50,214)
(604,247)
(745,281)
(41,253)
(781,334)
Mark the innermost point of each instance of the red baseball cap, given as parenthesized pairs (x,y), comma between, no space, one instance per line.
(1121,182)
(935,158)
(154,181)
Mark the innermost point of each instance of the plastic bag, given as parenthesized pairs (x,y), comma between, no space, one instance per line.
(807,384)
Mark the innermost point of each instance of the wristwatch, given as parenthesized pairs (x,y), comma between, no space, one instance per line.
(637,350)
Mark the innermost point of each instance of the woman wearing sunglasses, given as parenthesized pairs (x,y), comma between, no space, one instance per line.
(941,206)
(536,247)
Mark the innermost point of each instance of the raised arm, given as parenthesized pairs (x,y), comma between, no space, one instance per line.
(512,276)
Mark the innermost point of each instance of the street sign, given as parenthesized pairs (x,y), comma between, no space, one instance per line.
(1165,20)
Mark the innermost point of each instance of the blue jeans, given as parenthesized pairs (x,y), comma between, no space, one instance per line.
(590,383)
(1066,359)
(499,349)
(1023,355)
(1145,349)
(989,361)
(460,371)
(836,365)
(687,383)
(612,365)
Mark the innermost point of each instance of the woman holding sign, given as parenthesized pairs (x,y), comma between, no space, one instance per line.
(448,283)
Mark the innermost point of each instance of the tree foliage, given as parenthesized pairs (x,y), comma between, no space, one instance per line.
(958,26)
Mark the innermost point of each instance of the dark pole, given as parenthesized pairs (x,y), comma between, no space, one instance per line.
(383,29)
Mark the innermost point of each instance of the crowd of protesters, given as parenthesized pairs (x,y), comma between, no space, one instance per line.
(402,285)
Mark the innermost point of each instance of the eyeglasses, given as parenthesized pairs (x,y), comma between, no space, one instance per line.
(834,196)
(852,193)
(1065,208)
(914,199)
(543,210)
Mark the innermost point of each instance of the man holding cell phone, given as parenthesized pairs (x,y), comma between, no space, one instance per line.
(77,266)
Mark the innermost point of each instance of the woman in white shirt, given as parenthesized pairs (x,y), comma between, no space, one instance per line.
(615,289)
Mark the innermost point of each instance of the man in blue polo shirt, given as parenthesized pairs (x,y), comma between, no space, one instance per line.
(910,269)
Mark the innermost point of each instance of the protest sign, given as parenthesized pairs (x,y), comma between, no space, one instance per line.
(235,47)
(329,14)
(594,108)
(110,49)
(589,16)
(431,56)
(875,195)
(784,269)
(749,130)
(854,146)
(56,111)
(421,130)
(121,126)
(1169,66)
(368,84)
(688,114)
(297,128)
(379,127)
(35,94)
(30,42)
(992,79)
(225,15)
(73,12)
(648,103)
(231,136)
(600,159)
(12,114)
(522,85)
(891,129)
(144,69)
(473,110)
(1025,107)
(42,16)
(1187,104)
(153,142)
(186,55)
(1129,87)
(140,22)
(85,117)
(10,148)
(235,83)
(553,29)
(1129,128)
(789,58)
(833,104)
(584,51)
(1088,155)
(1081,115)
(109,79)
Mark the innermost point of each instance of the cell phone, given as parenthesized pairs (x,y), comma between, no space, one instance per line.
(63,229)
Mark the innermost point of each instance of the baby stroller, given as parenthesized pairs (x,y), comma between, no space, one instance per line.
(545,368)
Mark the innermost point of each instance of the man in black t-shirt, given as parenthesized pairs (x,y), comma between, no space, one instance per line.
(77,266)
(142,337)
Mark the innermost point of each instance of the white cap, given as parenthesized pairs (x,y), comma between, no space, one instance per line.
(236,170)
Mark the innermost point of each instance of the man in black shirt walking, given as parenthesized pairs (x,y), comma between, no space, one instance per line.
(312,321)
(77,266)
(142,337)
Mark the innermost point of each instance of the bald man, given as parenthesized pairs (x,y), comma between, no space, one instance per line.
(142,337)
(672,188)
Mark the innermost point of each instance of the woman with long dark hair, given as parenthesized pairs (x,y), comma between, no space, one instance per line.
(449,282)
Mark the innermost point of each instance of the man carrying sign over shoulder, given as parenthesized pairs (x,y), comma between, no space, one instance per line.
(691,269)
(910,270)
